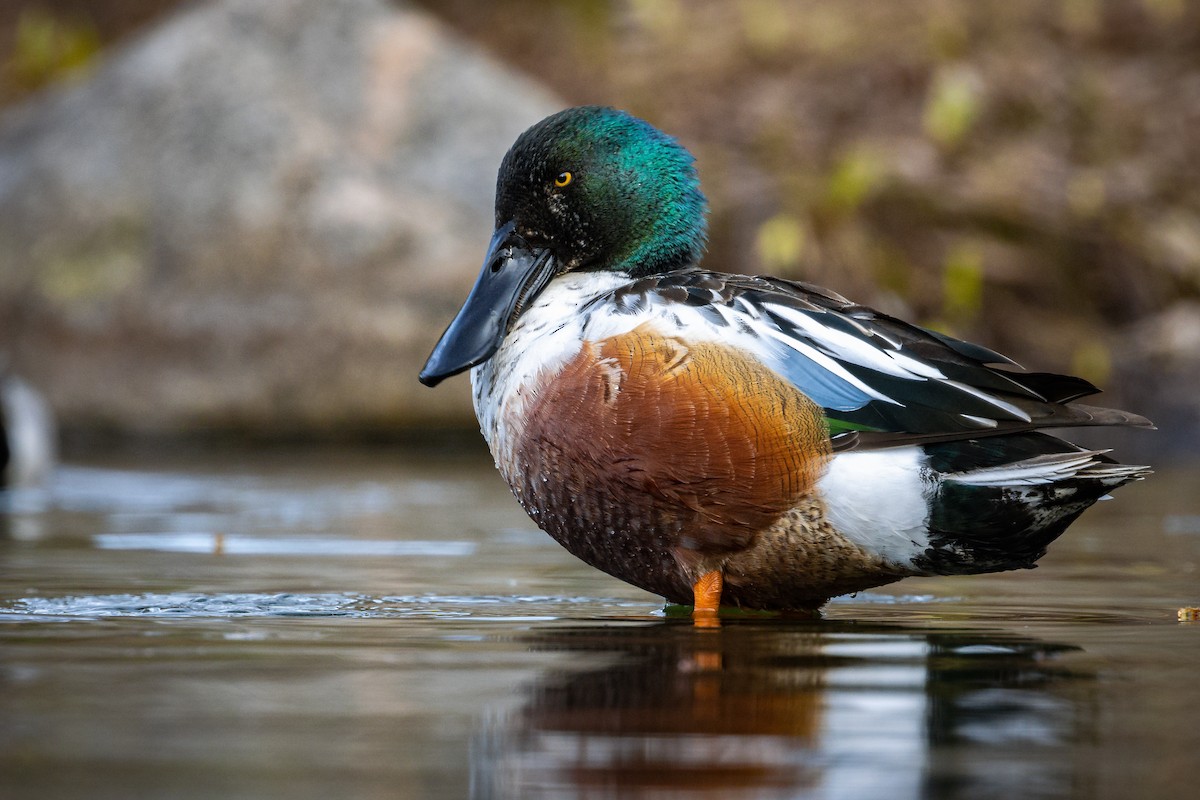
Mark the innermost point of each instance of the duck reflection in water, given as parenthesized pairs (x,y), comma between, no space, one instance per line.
(807,710)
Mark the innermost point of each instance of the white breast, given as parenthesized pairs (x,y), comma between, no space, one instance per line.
(547,335)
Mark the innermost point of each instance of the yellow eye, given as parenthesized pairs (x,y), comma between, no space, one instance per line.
(563,179)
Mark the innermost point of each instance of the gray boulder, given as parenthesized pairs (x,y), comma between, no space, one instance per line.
(258,217)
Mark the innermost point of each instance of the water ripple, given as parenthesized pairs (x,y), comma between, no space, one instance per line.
(190,604)
(236,544)
(194,604)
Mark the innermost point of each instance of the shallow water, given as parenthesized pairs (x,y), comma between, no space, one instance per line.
(327,623)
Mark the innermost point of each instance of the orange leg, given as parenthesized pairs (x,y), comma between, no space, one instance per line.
(707,593)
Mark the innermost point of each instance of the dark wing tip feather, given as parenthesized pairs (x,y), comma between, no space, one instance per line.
(1098,415)
(1054,388)
(971,350)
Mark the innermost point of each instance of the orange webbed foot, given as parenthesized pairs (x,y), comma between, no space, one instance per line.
(707,593)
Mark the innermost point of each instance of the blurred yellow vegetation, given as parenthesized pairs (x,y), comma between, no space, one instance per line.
(953,105)
(1082,17)
(765,24)
(854,177)
(780,243)
(1167,10)
(962,284)
(1092,360)
(46,48)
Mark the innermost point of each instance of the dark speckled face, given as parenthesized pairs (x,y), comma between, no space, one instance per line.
(589,188)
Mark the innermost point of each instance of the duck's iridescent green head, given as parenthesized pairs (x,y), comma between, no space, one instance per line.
(589,188)
(604,190)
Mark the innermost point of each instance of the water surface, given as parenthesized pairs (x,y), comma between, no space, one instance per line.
(317,623)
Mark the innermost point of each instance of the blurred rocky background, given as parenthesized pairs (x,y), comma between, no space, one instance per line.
(252,217)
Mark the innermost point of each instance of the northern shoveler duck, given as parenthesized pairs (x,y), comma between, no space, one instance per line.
(724,439)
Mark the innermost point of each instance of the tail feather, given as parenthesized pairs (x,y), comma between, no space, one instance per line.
(1052,468)
(1000,502)
(1098,415)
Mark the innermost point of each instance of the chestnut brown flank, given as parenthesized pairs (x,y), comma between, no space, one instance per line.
(644,453)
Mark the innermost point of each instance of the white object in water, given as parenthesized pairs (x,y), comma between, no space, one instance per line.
(29,433)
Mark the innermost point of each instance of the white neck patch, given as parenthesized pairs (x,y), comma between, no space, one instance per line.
(547,335)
